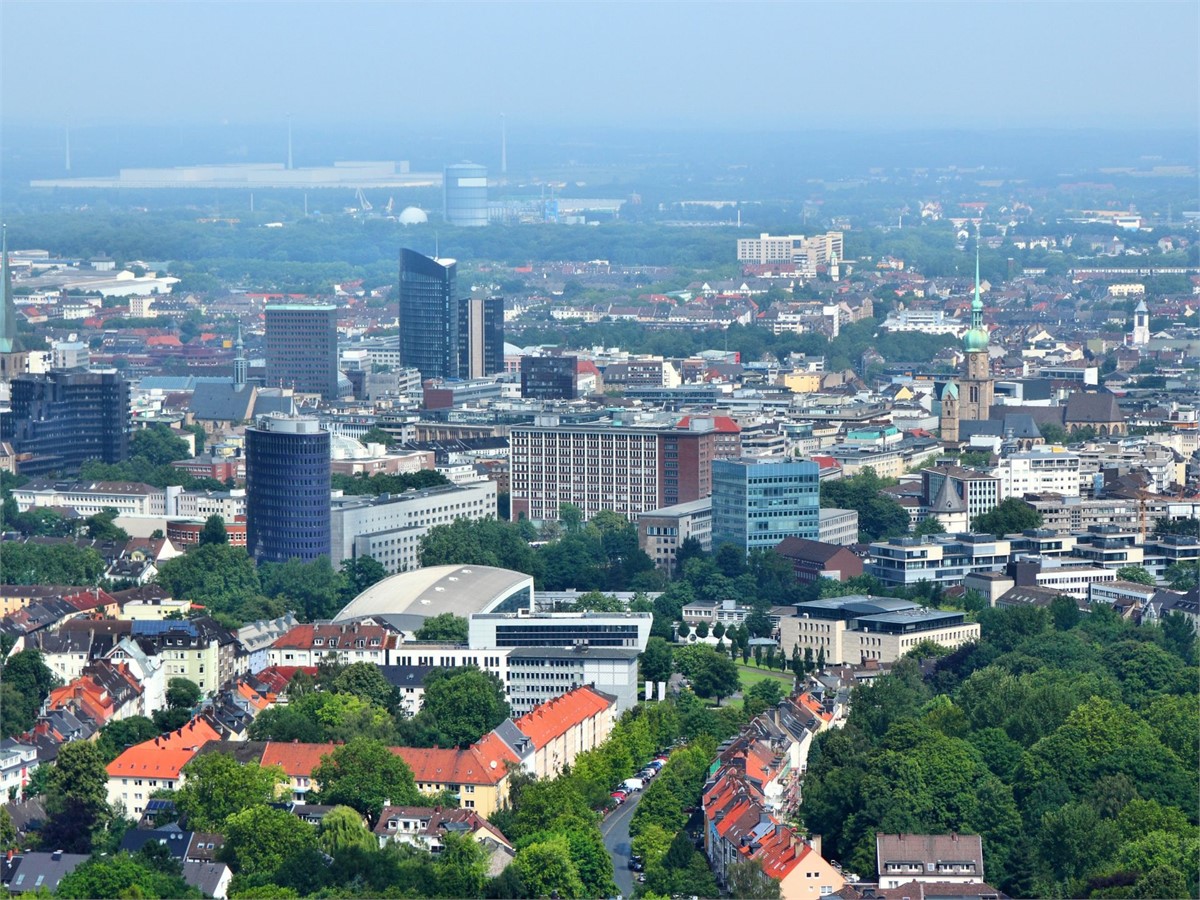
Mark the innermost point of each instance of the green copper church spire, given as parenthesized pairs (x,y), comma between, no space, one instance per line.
(977,338)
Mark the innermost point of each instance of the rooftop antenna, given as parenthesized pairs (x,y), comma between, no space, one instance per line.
(68,147)
(289,165)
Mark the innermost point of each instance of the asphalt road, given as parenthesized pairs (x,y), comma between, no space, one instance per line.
(615,829)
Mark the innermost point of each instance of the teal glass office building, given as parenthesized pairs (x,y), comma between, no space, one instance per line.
(756,503)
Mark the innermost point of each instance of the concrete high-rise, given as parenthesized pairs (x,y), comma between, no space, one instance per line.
(302,348)
(756,503)
(628,468)
(60,420)
(481,337)
(287,489)
(464,195)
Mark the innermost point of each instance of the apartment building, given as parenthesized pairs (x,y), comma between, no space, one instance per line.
(980,491)
(805,253)
(625,466)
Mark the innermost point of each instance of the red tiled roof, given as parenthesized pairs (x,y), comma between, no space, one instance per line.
(165,755)
(474,765)
(544,723)
(297,760)
(722,424)
(302,636)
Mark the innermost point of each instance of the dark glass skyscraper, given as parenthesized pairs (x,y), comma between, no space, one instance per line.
(287,489)
(481,337)
(430,318)
(64,418)
(302,348)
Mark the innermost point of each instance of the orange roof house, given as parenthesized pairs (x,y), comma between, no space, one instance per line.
(155,765)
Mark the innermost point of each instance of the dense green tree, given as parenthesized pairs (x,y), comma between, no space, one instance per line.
(717,677)
(485,542)
(1136,574)
(214,531)
(546,869)
(100,527)
(76,798)
(360,573)
(364,680)
(929,525)
(461,867)
(747,879)
(365,775)
(221,578)
(123,876)
(217,786)
(50,564)
(445,628)
(157,445)
(342,829)
(657,660)
(25,682)
(461,705)
(1182,576)
(8,831)
(1012,516)
(313,588)
(259,839)
(879,515)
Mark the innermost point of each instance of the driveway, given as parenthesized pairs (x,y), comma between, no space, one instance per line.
(615,829)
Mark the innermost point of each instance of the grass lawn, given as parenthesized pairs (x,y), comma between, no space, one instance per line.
(752,675)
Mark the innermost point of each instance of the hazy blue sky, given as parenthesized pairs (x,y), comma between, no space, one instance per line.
(726,65)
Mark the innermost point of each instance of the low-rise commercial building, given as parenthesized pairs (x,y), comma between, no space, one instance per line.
(661,531)
(854,629)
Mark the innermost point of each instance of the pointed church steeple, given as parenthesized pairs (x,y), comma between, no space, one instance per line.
(239,362)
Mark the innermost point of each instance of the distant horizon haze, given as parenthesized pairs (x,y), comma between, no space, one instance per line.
(810,66)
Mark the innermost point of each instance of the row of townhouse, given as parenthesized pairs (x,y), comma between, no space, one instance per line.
(755,790)
(542,743)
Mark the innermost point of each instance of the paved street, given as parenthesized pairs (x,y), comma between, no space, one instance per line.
(616,840)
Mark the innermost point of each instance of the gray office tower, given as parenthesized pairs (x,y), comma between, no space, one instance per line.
(302,348)
(464,195)
(287,489)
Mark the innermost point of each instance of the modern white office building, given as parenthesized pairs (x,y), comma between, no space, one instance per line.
(390,527)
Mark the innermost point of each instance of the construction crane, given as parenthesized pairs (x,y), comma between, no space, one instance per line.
(363,203)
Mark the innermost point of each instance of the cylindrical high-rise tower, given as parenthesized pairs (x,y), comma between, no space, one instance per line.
(287,489)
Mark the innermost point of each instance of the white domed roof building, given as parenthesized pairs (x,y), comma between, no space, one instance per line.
(406,600)
(412,215)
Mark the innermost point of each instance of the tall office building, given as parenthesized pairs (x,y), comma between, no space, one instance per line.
(429,315)
(287,489)
(464,195)
(302,348)
(481,337)
(756,503)
(549,377)
(626,468)
(60,420)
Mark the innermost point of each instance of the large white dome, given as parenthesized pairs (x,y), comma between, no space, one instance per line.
(413,215)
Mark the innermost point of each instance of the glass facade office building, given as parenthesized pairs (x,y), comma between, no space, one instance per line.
(63,419)
(287,489)
(757,503)
(430,319)
(464,195)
